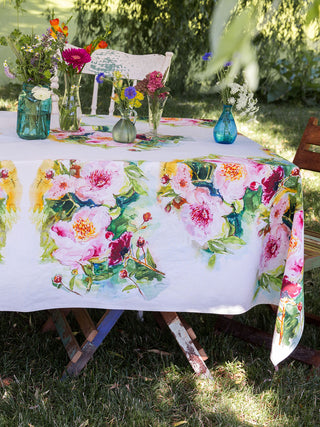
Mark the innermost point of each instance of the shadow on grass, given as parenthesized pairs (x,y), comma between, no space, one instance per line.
(140,377)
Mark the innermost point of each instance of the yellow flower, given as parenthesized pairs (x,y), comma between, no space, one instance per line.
(117,75)
(11,185)
(139,96)
(168,168)
(41,185)
(137,103)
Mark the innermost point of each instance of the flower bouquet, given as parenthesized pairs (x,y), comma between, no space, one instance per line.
(35,65)
(234,95)
(72,62)
(126,98)
(157,93)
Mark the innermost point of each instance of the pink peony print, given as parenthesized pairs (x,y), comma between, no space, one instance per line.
(295,260)
(61,185)
(232,177)
(100,182)
(203,217)
(82,238)
(278,210)
(275,248)
(181,181)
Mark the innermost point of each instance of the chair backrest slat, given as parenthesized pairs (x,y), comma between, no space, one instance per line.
(133,67)
(308,153)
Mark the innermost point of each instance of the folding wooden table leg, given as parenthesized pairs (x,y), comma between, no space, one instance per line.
(88,348)
(186,343)
(68,339)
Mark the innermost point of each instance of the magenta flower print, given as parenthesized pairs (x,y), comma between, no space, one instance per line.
(119,248)
(100,182)
(82,238)
(61,185)
(270,185)
(204,216)
(290,289)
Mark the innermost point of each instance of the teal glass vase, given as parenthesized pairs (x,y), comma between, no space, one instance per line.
(124,130)
(33,121)
(225,131)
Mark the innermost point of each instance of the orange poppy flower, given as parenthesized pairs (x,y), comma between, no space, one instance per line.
(102,45)
(89,48)
(65,30)
(54,22)
(52,33)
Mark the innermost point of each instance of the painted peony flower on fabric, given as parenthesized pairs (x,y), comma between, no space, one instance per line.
(100,182)
(60,186)
(205,216)
(83,238)
(275,248)
(221,200)
(82,211)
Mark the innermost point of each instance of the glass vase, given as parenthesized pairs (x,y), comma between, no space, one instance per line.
(33,121)
(225,131)
(155,110)
(124,130)
(70,106)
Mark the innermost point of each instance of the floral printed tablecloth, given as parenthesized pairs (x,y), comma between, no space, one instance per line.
(177,223)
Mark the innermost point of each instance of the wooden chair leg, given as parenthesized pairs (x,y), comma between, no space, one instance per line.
(185,337)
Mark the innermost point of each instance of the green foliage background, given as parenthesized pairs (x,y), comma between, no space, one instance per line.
(289,63)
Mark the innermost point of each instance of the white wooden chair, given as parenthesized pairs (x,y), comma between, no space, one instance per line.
(133,67)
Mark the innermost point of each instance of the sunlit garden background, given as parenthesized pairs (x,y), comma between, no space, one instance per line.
(139,376)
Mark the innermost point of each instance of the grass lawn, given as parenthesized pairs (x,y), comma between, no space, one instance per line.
(139,376)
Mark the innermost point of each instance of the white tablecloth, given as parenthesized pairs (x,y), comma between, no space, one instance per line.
(177,223)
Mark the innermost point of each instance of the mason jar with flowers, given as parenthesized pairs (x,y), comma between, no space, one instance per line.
(35,64)
(127,98)
(153,85)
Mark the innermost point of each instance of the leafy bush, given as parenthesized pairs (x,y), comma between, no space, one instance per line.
(153,26)
(296,76)
(288,66)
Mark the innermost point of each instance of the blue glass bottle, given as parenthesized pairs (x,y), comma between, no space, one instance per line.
(225,131)
(34,115)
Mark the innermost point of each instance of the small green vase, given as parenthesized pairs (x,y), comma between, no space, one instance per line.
(124,130)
